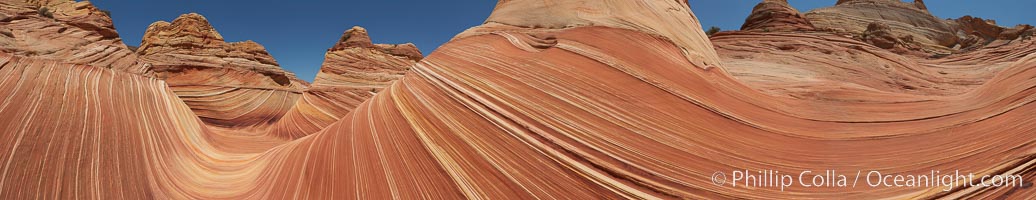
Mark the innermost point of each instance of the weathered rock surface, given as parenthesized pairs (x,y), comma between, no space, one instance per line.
(904,19)
(676,24)
(66,30)
(980,32)
(225,83)
(880,35)
(356,62)
(776,15)
(354,70)
(191,42)
(806,64)
(913,25)
(568,99)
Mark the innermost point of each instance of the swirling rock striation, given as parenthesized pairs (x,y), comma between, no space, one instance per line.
(75,32)
(354,70)
(668,19)
(913,25)
(225,83)
(357,63)
(776,15)
(563,103)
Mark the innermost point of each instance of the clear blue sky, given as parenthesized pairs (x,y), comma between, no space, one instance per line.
(298,32)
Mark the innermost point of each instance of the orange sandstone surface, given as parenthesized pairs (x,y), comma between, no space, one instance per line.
(75,32)
(354,70)
(570,99)
(229,84)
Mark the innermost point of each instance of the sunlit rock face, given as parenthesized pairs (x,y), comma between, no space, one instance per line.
(914,25)
(669,19)
(981,33)
(74,32)
(839,74)
(570,99)
(881,57)
(356,62)
(354,70)
(226,83)
(776,15)
(903,18)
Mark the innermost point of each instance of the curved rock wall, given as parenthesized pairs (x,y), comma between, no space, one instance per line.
(354,70)
(74,32)
(557,109)
(230,84)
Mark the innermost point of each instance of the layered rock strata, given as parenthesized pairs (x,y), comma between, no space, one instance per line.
(913,21)
(354,70)
(776,15)
(66,30)
(225,83)
(580,99)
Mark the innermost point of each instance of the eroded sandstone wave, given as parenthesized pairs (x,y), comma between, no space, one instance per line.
(549,101)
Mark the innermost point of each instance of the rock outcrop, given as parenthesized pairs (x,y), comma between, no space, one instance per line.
(225,83)
(191,42)
(563,99)
(904,19)
(907,27)
(668,19)
(978,33)
(356,62)
(66,30)
(354,70)
(776,15)
(886,58)
(880,35)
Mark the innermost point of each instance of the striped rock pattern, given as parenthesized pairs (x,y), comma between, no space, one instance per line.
(910,24)
(585,105)
(904,18)
(353,71)
(230,84)
(776,15)
(75,32)
(82,132)
(830,67)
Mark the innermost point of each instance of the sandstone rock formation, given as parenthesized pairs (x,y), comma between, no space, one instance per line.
(897,64)
(983,32)
(880,35)
(354,70)
(356,62)
(904,20)
(225,83)
(75,32)
(546,100)
(89,132)
(776,15)
(906,28)
(676,24)
(912,21)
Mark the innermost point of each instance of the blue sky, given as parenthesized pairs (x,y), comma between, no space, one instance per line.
(298,32)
